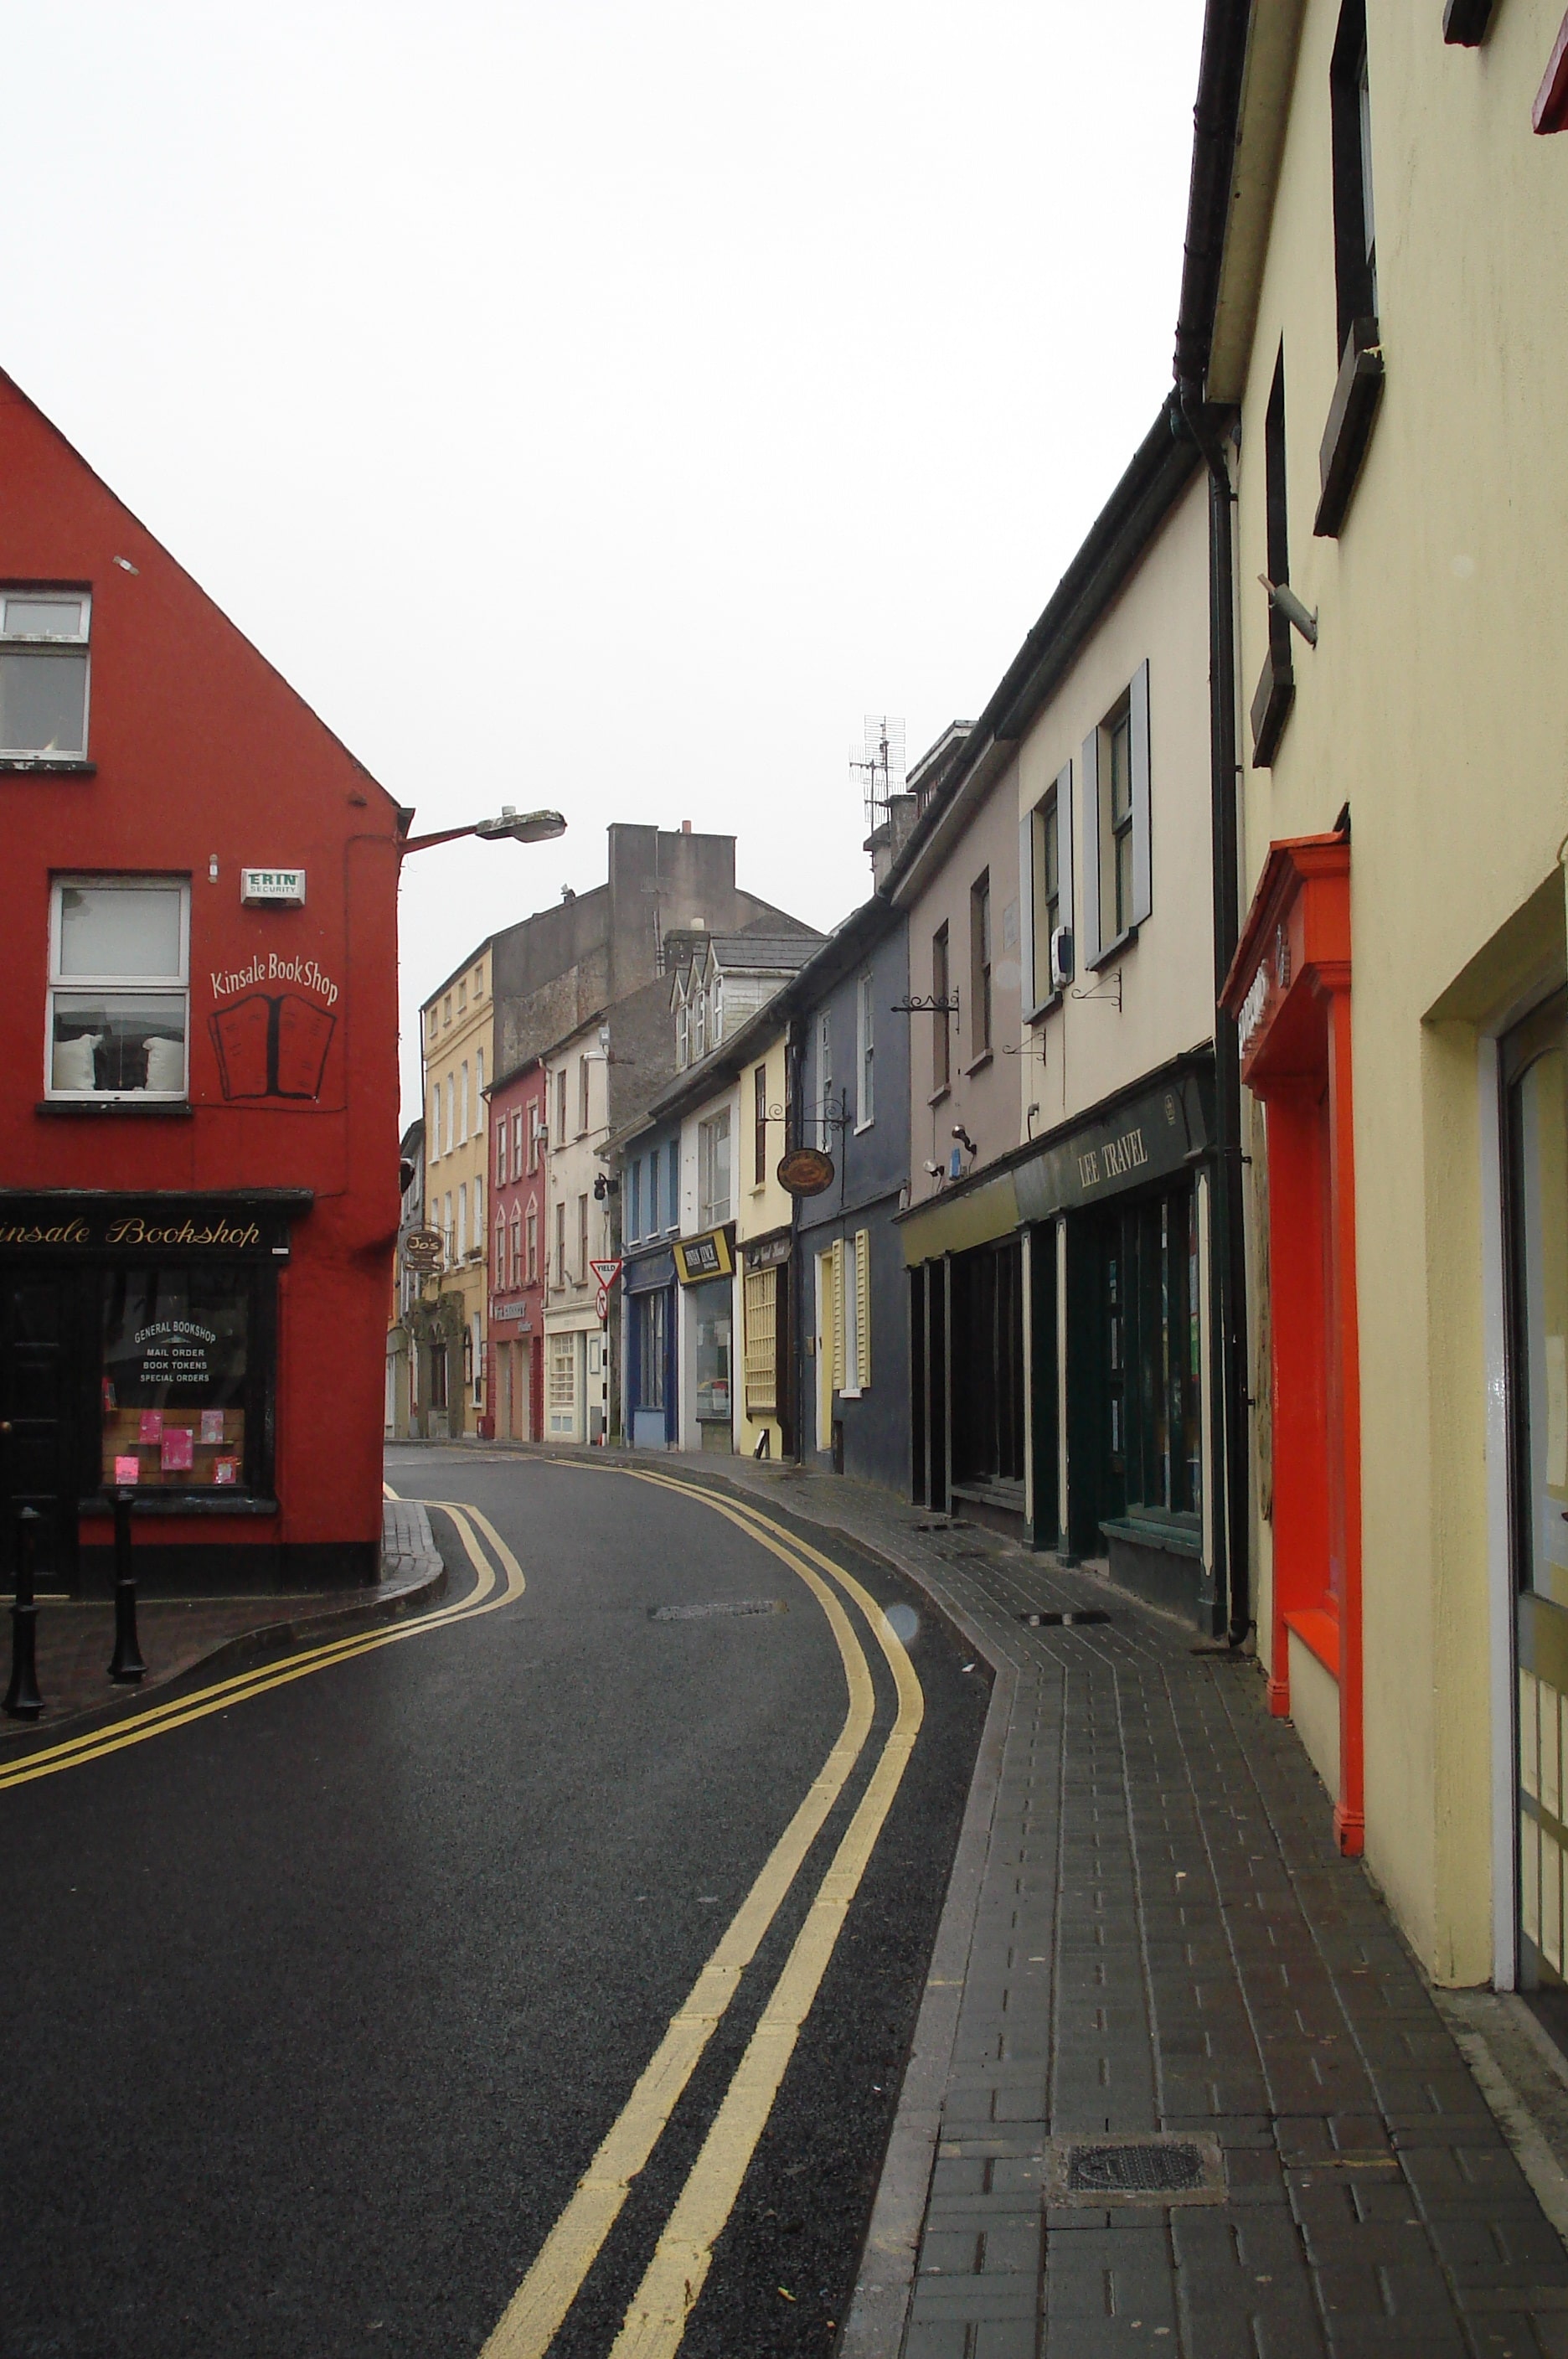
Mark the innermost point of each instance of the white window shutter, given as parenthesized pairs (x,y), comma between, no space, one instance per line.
(1142,894)
(1026,914)
(838,1314)
(1089,806)
(863,1302)
(1064,841)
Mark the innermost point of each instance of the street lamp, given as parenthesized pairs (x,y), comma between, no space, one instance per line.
(521,827)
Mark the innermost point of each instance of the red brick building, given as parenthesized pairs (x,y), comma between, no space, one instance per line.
(198,1067)
(517,1248)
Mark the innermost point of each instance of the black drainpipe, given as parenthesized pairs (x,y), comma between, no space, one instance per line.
(794,1052)
(1227,1275)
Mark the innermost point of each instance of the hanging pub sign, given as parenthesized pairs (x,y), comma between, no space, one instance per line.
(424,1250)
(806,1172)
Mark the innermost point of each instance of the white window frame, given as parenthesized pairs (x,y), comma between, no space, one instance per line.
(714,1210)
(864,1053)
(824,1082)
(140,986)
(47,642)
(501,1152)
(435,1121)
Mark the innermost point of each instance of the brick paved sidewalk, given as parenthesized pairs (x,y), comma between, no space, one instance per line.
(75,1640)
(1150,1930)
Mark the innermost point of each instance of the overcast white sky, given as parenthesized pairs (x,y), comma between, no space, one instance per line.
(600,404)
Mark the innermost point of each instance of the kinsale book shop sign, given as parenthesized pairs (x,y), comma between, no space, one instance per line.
(273,1027)
(251,1229)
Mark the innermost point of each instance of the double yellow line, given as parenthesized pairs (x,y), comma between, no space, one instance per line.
(656,2320)
(488,1594)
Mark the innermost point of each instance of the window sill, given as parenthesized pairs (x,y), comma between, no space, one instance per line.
(1271,702)
(1318,1631)
(1113,950)
(936,1096)
(869,1124)
(155,1500)
(979,1063)
(167,1109)
(48,766)
(1046,1007)
(1349,429)
(848,1392)
(1152,1531)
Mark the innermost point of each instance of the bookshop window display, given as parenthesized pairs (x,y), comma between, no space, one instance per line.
(176,1382)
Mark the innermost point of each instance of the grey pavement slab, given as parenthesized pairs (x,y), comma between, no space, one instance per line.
(1155,1934)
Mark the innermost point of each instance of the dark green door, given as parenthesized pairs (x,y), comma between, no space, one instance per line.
(36,1403)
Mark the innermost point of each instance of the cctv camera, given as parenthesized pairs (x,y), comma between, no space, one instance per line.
(934,1170)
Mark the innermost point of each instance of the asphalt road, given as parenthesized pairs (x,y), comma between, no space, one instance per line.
(319,2005)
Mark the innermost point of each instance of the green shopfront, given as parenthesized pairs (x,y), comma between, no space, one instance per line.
(1063,1341)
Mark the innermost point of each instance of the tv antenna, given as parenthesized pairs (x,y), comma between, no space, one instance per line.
(880,766)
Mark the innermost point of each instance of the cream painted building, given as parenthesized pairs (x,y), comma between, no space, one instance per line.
(456,1035)
(577,1228)
(764,1214)
(1374,281)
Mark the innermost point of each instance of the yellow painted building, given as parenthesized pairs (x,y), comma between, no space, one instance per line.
(764,1214)
(456,1033)
(1375,285)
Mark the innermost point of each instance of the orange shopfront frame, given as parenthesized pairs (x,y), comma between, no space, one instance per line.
(1289,988)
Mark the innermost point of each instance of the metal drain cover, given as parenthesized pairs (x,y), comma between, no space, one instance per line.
(713,1606)
(1151,2168)
(1071,1619)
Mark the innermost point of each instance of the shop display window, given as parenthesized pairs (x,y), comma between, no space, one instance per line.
(1158,1418)
(177,1360)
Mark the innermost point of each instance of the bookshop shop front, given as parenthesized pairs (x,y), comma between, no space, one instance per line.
(139,1351)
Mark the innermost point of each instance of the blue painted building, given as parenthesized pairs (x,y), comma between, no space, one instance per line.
(650,1220)
(852,1034)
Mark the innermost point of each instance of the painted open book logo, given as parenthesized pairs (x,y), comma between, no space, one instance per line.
(272,1045)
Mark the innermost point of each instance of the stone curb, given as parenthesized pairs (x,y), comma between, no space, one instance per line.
(413,1576)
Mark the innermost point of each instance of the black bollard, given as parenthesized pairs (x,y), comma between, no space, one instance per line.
(127,1666)
(23,1700)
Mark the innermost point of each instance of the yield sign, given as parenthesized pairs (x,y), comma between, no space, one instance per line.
(607,1272)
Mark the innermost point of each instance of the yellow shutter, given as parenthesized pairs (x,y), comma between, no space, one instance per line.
(863,1302)
(838,1314)
(761,1341)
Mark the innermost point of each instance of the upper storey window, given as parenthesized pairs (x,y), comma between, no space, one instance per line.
(119,966)
(43,675)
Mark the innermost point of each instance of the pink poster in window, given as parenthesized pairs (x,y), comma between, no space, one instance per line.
(151,1425)
(127,1469)
(179,1450)
(211,1425)
(223,1470)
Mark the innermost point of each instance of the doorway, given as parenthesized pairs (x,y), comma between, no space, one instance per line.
(38,1312)
(1535,1086)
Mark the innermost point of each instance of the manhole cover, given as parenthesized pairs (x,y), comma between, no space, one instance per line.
(1074,1618)
(1154,2168)
(714,1606)
(1133,2169)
